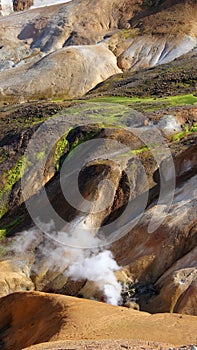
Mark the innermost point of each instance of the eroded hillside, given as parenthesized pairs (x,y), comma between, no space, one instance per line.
(98,175)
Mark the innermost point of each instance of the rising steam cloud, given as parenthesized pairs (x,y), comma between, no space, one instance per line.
(99,268)
(59,254)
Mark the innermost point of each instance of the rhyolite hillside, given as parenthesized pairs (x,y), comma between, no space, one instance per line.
(92,70)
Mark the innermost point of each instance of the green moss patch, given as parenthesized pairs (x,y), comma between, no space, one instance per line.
(187,131)
(40,155)
(59,150)
(11,177)
(146,104)
(132,152)
(5,230)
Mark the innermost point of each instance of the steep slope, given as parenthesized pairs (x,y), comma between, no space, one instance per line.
(129,60)
(148,261)
(175,78)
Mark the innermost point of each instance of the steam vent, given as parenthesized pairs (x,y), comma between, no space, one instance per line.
(98,174)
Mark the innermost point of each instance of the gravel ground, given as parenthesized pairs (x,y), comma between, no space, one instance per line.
(108,345)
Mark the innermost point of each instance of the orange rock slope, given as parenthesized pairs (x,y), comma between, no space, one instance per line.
(28,318)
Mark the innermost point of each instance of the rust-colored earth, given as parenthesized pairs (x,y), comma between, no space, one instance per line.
(29,318)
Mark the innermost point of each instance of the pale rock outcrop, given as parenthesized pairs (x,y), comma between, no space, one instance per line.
(178,287)
(14,278)
(148,51)
(68,72)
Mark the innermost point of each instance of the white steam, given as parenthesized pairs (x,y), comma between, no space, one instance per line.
(59,253)
(99,269)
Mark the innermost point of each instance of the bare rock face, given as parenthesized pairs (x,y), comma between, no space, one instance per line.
(13,278)
(21,5)
(149,51)
(187,304)
(177,287)
(164,261)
